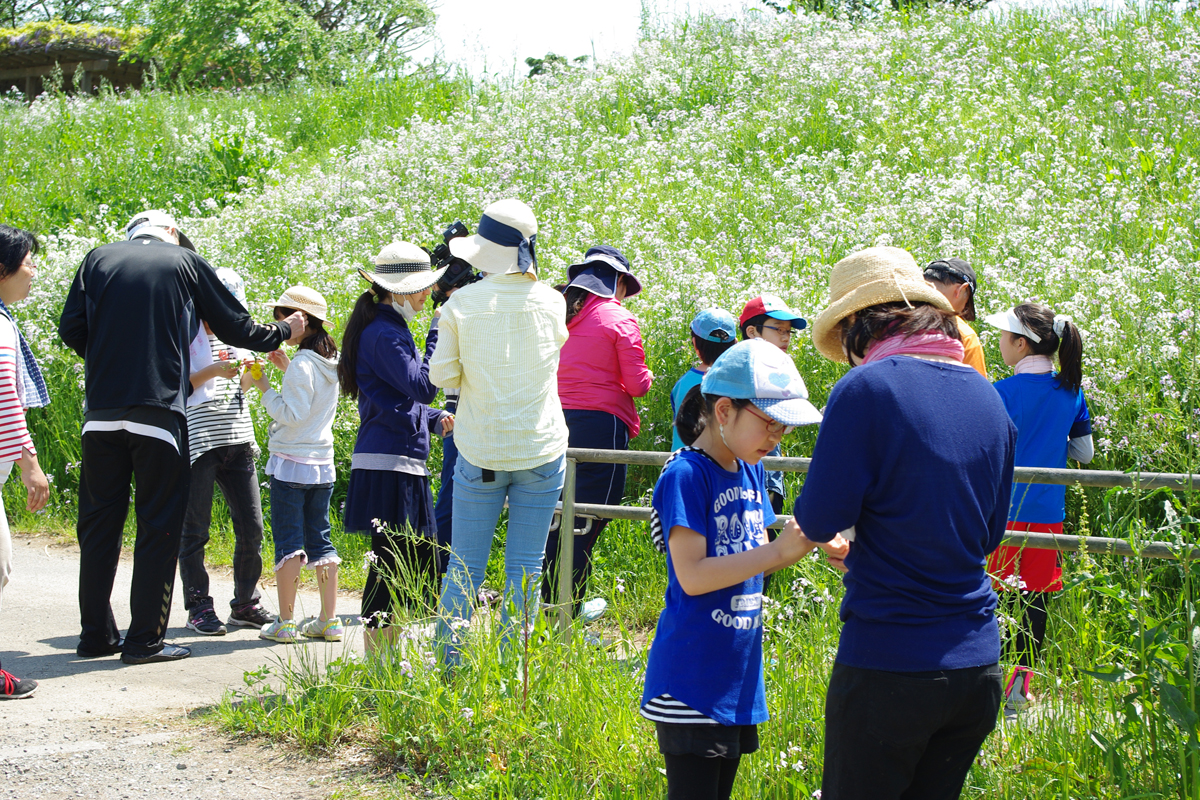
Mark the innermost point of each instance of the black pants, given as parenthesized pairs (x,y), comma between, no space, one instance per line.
(905,736)
(702,760)
(232,468)
(110,460)
(602,484)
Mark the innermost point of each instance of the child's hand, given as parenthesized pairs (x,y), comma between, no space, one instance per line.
(225,369)
(279,359)
(836,550)
(247,375)
(792,543)
(447,424)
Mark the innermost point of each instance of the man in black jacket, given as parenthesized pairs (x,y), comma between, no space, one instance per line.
(131,312)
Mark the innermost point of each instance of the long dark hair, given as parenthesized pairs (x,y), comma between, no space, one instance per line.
(891,319)
(15,244)
(365,309)
(1040,319)
(316,338)
(696,410)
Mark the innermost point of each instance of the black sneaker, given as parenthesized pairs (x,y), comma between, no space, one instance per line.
(16,688)
(251,616)
(170,652)
(107,650)
(204,621)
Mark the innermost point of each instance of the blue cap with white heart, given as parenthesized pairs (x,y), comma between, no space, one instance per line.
(760,372)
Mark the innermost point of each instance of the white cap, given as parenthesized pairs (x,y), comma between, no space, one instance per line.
(1009,321)
(148,223)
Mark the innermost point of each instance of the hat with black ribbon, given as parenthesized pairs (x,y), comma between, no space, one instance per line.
(505,240)
(601,268)
(402,268)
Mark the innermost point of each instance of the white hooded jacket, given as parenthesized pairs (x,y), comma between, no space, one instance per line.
(304,407)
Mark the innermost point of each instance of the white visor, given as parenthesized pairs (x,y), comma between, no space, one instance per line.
(1009,321)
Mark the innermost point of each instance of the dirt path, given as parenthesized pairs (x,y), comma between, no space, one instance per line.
(100,728)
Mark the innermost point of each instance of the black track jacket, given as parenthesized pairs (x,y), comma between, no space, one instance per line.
(133,309)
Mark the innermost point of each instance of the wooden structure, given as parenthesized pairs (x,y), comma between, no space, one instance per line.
(26,69)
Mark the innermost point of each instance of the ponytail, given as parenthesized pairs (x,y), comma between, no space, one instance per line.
(1070,357)
(365,310)
(690,418)
(695,411)
(1059,335)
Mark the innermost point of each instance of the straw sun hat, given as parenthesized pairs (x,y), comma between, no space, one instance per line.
(302,298)
(402,268)
(868,278)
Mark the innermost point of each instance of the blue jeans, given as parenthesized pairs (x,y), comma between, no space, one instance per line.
(300,522)
(532,495)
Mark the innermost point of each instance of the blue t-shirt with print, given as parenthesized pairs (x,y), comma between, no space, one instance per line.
(707,649)
(691,378)
(1047,416)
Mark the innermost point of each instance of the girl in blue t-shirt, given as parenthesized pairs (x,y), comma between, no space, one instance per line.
(710,506)
(1051,416)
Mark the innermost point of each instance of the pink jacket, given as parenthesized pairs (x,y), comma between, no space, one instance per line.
(602,366)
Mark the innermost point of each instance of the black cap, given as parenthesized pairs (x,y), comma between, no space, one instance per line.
(943,268)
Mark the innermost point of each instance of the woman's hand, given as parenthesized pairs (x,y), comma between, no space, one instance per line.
(279,359)
(836,550)
(447,424)
(36,485)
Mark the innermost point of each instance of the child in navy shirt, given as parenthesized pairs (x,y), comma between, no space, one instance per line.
(711,504)
(713,332)
(1052,421)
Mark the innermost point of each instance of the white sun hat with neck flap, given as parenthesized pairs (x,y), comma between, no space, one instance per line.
(504,241)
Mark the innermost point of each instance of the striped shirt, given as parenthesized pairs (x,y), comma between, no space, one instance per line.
(665,708)
(499,343)
(225,419)
(14,436)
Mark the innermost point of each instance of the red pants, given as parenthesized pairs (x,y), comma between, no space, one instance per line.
(1035,570)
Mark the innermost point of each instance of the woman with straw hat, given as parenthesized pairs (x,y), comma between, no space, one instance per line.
(389,496)
(915,454)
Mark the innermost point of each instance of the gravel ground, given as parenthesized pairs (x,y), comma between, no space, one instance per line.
(101,729)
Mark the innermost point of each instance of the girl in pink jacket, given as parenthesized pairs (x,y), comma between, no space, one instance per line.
(601,369)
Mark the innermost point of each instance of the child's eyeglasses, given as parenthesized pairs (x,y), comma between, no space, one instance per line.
(784,333)
(773,426)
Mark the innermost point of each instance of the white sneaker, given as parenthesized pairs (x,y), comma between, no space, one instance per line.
(593,609)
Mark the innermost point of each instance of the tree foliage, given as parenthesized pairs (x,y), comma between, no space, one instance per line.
(242,42)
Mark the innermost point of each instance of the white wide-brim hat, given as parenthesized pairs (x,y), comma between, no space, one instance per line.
(302,298)
(402,268)
(504,241)
(869,278)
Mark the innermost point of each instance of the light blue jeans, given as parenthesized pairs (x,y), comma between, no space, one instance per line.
(532,495)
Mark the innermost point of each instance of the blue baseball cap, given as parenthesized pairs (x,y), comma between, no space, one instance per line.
(715,325)
(760,372)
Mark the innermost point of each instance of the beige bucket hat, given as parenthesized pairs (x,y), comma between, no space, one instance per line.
(867,278)
(307,300)
(402,268)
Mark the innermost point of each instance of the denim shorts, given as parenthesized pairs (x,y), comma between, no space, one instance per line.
(300,522)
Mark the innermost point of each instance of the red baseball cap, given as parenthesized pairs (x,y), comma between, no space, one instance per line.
(773,307)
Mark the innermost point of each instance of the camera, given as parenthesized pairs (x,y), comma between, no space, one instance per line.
(458,272)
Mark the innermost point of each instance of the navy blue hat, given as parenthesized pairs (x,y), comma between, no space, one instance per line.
(599,270)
